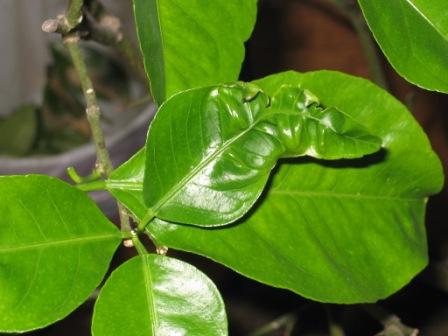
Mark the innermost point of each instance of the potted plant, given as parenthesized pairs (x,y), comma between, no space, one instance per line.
(313,182)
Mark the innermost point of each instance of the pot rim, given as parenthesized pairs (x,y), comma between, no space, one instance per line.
(81,152)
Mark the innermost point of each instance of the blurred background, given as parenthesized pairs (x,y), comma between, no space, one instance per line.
(40,99)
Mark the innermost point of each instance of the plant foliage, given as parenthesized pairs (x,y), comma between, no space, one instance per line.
(300,243)
(314,182)
(413,35)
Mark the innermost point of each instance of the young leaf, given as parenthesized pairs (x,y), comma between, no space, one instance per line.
(343,232)
(413,35)
(210,151)
(156,296)
(55,248)
(126,183)
(188,44)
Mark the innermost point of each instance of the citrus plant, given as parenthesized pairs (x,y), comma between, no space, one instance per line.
(313,182)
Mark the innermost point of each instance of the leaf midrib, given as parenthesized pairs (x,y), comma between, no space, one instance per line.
(62,242)
(425,18)
(125,185)
(138,186)
(149,286)
(319,121)
(178,186)
(307,194)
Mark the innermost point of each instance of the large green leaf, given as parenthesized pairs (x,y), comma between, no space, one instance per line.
(210,150)
(413,35)
(154,295)
(55,248)
(188,44)
(351,231)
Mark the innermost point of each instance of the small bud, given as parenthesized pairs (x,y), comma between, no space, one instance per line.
(128,243)
(50,26)
(162,250)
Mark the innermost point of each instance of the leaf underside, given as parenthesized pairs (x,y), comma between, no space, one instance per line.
(156,296)
(342,232)
(55,248)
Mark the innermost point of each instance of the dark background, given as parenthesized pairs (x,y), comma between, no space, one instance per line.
(309,35)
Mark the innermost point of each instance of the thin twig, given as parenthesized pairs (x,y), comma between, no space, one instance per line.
(92,21)
(351,10)
(92,186)
(141,249)
(74,14)
(125,222)
(160,248)
(106,29)
(104,164)
(65,25)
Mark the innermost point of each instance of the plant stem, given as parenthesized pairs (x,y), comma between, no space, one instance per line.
(125,222)
(150,215)
(103,164)
(92,185)
(106,29)
(368,44)
(74,14)
(78,179)
(141,249)
(99,26)
(370,51)
(160,248)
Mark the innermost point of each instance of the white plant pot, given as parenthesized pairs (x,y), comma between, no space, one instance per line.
(22,76)
(122,140)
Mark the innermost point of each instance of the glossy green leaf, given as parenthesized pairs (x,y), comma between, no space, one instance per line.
(210,150)
(344,232)
(413,35)
(126,183)
(55,248)
(154,295)
(189,44)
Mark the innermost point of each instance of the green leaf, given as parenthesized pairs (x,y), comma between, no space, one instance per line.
(188,44)
(343,232)
(18,131)
(156,296)
(413,35)
(55,248)
(210,150)
(126,183)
